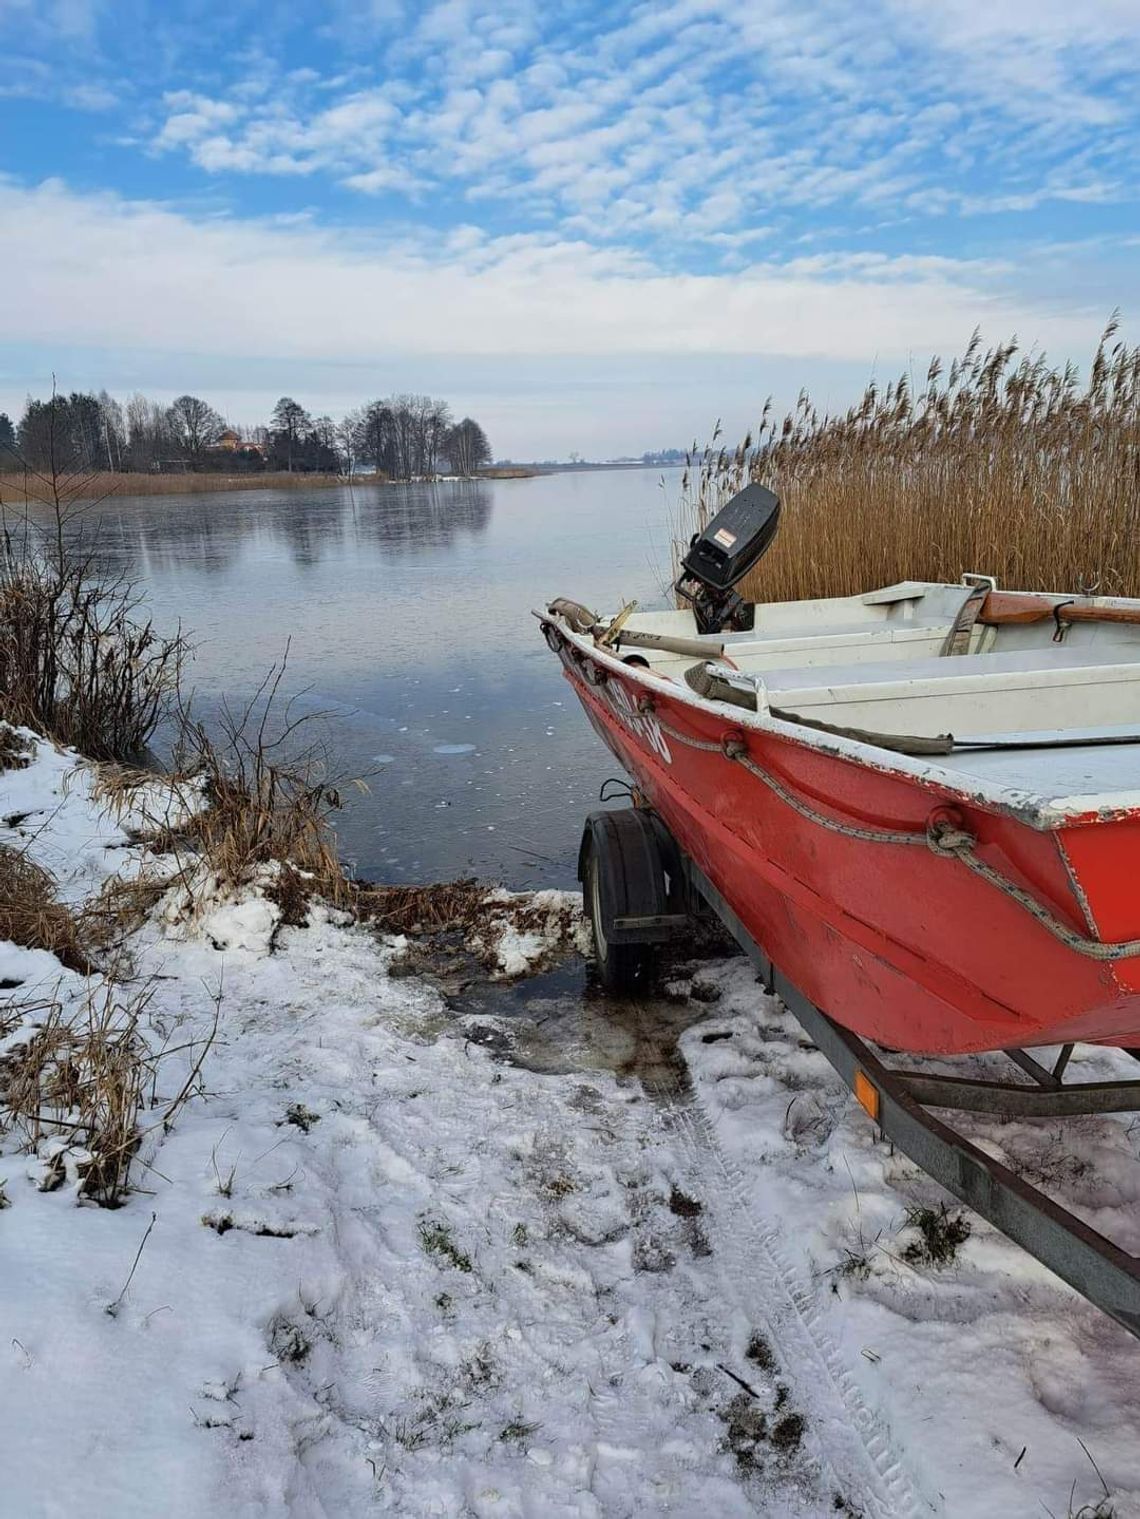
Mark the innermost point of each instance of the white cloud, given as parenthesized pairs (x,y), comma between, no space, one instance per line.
(64,22)
(193,117)
(688,121)
(90,97)
(554,345)
(101,271)
(256,132)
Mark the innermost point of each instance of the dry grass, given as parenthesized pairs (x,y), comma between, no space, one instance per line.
(31,917)
(267,800)
(940,1234)
(80,1077)
(99,484)
(83,1078)
(247,806)
(436,908)
(999,464)
(241,811)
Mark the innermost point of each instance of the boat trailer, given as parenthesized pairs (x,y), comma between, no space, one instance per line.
(641,891)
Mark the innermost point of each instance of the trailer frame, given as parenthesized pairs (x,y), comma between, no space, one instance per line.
(898,1102)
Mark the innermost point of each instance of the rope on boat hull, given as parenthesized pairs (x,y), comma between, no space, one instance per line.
(943,835)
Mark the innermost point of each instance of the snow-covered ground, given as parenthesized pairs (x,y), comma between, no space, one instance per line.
(515,1253)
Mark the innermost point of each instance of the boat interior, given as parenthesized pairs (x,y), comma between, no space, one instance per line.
(917,659)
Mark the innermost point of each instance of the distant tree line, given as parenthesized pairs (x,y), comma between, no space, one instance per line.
(402,437)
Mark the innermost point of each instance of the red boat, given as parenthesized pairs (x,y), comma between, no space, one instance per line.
(922,803)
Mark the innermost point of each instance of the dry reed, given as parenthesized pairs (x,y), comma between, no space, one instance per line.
(439,907)
(246,805)
(80,1078)
(31,916)
(266,799)
(998,464)
(99,484)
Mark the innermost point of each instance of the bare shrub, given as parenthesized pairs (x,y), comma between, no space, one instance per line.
(998,464)
(78,660)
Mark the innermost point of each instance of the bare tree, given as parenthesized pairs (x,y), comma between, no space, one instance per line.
(437,425)
(113,440)
(349,433)
(150,433)
(195,424)
(377,441)
(466,447)
(289,426)
(324,432)
(405,431)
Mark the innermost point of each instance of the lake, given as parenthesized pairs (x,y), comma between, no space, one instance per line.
(406,613)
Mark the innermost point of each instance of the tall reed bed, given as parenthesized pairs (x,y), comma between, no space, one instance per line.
(999,463)
(99,484)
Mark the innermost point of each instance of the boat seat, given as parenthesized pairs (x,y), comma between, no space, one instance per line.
(1046,658)
(1047,687)
(788,647)
(840,636)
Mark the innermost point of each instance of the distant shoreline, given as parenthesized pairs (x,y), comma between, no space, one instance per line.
(102,484)
(123,487)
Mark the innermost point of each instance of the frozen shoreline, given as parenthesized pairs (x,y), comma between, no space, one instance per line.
(395,1268)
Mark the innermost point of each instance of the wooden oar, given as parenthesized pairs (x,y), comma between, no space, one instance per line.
(1002,608)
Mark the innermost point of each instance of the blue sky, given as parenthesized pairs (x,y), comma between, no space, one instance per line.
(594,226)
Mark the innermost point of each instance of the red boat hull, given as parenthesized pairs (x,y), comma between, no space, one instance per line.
(904,946)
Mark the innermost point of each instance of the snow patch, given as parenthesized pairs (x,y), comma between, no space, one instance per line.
(372,1267)
(987,1369)
(525,931)
(200,904)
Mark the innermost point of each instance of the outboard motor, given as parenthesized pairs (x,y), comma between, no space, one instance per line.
(734,541)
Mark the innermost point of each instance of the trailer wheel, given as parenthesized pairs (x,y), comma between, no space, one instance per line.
(622,968)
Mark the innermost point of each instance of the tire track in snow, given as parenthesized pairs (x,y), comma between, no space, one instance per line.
(769,1289)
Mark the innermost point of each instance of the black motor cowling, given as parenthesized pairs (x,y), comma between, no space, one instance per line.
(734,541)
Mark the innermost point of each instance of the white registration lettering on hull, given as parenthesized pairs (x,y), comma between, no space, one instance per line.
(642,725)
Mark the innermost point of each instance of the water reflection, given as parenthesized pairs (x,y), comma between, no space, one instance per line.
(310,537)
(158,534)
(406,613)
(419,517)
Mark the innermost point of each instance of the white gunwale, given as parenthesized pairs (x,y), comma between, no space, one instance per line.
(1002,782)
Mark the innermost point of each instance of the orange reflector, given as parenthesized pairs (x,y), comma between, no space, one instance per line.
(867,1096)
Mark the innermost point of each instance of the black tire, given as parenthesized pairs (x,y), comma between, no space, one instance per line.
(622,968)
